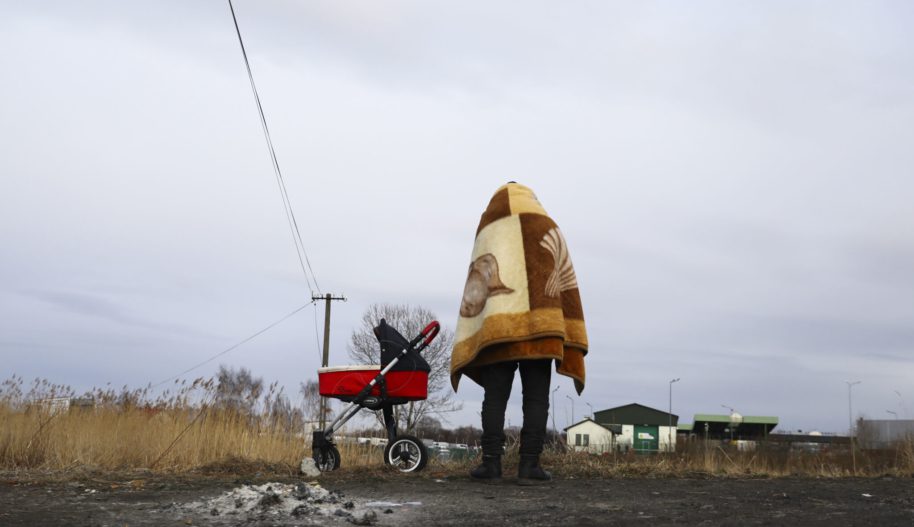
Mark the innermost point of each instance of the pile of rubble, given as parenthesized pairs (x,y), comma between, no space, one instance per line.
(278,503)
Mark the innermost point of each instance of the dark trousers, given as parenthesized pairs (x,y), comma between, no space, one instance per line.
(496,381)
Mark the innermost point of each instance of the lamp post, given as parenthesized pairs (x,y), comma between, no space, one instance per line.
(893,413)
(670,415)
(554,431)
(591,409)
(572,407)
(735,418)
(850,413)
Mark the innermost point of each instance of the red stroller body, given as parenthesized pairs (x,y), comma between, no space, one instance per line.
(401,377)
(341,382)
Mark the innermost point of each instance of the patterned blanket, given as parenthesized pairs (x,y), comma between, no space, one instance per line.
(521,299)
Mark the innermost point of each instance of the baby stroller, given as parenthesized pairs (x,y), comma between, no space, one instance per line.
(401,377)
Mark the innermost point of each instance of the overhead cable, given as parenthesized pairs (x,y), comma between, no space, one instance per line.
(223,352)
(287,204)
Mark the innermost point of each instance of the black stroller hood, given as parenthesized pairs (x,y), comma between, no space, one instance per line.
(392,344)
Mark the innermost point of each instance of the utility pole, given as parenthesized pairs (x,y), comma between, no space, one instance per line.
(670,415)
(325,359)
(554,431)
(850,424)
(850,415)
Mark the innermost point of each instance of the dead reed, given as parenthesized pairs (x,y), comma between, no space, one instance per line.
(120,430)
(190,430)
(712,459)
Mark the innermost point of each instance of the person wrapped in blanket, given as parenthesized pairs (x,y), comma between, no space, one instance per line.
(521,310)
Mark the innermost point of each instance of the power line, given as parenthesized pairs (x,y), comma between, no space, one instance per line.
(287,203)
(223,352)
(317,332)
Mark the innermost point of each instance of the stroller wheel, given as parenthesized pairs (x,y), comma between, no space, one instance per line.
(406,454)
(327,458)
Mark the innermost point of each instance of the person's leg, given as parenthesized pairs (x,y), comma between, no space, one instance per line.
(496,381)
(535,377)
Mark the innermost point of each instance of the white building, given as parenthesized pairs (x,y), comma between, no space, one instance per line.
(623,428)
(590,436)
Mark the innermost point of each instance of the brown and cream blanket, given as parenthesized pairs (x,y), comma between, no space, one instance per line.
(521,299)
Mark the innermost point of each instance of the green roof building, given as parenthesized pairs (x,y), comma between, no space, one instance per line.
(622,428)
(733,426)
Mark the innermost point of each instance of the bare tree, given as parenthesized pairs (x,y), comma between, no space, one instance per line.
(238,391)
(311,402)
(428,426)
(409,321)
(279,414)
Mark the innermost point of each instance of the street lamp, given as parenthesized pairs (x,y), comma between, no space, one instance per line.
(572,407)
(670,415)
(591,409)
(554,431)
(735,419)
(893,413)
(850,414)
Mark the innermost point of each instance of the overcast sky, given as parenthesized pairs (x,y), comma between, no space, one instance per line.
(734,180)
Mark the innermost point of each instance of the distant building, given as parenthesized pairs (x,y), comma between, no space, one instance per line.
(884,433)
(623,428)
(53,405)
(590,436)
(733,427)
(56,405)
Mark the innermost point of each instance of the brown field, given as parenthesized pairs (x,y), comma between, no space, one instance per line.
(125,430)
(131,460)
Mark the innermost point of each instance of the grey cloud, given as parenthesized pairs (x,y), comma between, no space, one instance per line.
(824,335)
(884,263)
(87,304)
(731,179)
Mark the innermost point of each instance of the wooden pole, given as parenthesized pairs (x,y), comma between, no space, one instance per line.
(325,358)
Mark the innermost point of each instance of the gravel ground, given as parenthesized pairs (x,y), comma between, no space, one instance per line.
(353,498)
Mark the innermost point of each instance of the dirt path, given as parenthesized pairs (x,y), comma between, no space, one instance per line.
(428,500)
(460,502)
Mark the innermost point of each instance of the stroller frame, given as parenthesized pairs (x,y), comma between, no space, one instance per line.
(405,452)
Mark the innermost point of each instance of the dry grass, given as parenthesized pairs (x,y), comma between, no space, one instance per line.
(172,434)
(711,459)
(714,460)
(177,439)
(126,430)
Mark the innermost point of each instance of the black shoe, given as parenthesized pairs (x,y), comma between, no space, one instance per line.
(489,470)
(529,471)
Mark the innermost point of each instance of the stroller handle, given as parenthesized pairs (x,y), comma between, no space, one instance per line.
(430,332)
